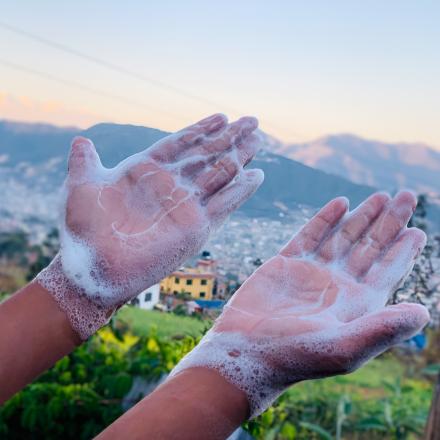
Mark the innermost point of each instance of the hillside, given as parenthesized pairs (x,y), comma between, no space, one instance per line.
(34,163)
(382,165)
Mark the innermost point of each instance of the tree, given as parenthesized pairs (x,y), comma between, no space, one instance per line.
(13,246)
(45,253)
(423,284)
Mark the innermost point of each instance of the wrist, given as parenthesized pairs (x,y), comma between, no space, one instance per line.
(84,315)
(40,299)
(240,362)
(219,397)
(35,333)
(195,401)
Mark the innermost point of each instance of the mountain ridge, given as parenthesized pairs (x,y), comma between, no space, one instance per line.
(384,165)
(33,165)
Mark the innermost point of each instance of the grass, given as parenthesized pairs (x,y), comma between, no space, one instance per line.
(12,278)
(371,377)
(383,369)
(142,322)
(369,380)
(381,400)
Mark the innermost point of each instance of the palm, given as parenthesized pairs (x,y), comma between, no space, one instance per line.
(146,202)
(298,289)
(323,297)
(143,218)
(133,205)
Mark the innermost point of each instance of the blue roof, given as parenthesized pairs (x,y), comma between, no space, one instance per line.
(210,304)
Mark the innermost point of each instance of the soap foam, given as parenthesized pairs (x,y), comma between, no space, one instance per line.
(263,367)
(124,229)
(301,318)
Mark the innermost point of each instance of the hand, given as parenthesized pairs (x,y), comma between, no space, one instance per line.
(318,308)
(125,228)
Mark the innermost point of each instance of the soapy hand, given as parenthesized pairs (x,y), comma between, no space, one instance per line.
(318,308)
(124,229)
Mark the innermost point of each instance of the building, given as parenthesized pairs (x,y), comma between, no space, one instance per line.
(205,306)
(148,298)
(199,281)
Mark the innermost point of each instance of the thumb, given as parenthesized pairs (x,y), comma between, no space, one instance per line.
(83,159)
(372,334)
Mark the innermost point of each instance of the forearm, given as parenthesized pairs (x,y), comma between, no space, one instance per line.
(34,334)
(196,403)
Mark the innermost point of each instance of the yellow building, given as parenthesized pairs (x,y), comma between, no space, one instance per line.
(199,281)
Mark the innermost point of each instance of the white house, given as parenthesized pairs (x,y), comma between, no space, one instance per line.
(148,298)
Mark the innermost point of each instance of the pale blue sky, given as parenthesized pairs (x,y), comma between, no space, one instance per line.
(305,68)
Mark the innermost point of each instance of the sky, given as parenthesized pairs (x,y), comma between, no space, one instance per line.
(304,68)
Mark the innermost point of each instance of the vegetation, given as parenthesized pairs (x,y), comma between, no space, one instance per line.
(377,401)
(21,260)
(165,325)
(84,392)
(14,246)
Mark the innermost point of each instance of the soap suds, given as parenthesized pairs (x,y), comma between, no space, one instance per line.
(124,229)
(305,314)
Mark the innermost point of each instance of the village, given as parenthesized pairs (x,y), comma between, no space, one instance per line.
(191,290)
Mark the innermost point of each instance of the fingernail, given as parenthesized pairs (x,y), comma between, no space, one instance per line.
(255,174)
(80,140)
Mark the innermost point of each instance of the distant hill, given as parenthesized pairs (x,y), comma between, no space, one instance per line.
(115,142)
(33,163)
(383,165)
(33,143)
(289,183)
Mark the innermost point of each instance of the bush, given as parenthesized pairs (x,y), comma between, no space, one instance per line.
(83,392)
(349,407)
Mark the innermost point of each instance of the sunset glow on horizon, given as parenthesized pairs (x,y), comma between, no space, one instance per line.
(305,69)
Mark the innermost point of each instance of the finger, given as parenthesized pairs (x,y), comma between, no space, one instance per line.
(83,159)
(352,228)
(196,132)
(249,148)
(221,204)
(384,230)
(233,135)
(308,239)
(171,147)
(220,173)
(218,176)
(387,274)
(372,334)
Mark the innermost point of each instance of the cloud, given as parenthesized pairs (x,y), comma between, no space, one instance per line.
(24,108)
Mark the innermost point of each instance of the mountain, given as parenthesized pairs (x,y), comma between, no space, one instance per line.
(289,183)
(368,162)
(33,143)
(33,163)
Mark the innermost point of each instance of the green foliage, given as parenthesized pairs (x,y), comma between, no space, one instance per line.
(180,310)
(3,296)
(374,403)
(44,254)
(185,296)
(13,245)
(167,325)
(83,392)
